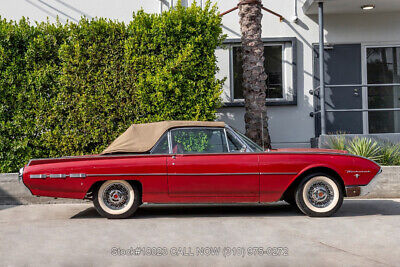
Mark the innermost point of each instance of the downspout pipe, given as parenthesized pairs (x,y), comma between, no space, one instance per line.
(321,66)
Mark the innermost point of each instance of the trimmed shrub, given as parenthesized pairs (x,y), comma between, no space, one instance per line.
(17,106)
(171,62)
(93,103)
(72,89)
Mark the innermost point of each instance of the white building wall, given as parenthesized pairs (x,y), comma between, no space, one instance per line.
(292,126)
(289,125)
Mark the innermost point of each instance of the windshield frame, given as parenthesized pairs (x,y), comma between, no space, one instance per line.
(251,146)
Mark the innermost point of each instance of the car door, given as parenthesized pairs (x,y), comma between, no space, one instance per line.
(201,166)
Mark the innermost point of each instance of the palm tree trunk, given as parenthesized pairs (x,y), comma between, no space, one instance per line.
(254,85)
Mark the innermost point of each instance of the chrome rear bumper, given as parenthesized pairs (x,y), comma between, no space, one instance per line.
(355,191)
(20,173)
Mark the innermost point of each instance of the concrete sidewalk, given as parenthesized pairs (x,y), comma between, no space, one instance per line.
(362,233)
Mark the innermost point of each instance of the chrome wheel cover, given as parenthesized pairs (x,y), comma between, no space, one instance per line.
(320,194)
(116,196)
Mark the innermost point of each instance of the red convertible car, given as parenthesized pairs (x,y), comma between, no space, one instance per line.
(200,162)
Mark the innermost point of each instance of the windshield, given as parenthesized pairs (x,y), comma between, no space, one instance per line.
(248,141)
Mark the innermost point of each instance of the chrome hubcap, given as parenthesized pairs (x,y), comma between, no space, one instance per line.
(116,196)
(320,194)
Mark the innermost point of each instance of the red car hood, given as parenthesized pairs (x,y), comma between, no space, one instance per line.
(310,150)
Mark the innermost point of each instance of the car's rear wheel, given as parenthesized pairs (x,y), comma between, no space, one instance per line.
(319,195)
(116,199)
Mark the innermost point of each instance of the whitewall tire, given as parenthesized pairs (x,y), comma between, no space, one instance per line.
(319,195)
(116,199)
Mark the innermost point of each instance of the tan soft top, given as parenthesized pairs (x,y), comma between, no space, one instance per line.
(142,137)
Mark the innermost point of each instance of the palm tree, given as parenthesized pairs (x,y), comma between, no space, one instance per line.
(254,85)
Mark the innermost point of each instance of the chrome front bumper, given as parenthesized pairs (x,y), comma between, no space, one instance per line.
(355,191)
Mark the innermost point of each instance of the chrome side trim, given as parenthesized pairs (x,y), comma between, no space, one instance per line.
(278,173)
(38,176)
(84,175)
(125,174)
(191,174)
(58,176)
(213,174)
(77,175)
(350,171)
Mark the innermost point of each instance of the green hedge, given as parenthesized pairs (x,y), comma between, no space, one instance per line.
(71,89)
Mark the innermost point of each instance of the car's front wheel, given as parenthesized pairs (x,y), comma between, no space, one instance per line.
(116,199)
(319,195)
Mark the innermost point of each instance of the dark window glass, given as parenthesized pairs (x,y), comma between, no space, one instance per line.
(383,67)
(233,143)
(273,68)
(192,140)
(162,146)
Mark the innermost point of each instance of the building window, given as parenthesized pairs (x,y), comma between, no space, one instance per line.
(280,65)
(383,67)
(273,66)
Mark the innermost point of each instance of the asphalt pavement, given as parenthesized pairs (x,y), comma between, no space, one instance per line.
(362,233)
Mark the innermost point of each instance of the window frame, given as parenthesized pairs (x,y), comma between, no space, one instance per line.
(364,79)
(289,89)
(199,127)
(244,142)
(225,130)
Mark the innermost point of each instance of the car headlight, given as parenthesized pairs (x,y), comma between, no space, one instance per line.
(20,173)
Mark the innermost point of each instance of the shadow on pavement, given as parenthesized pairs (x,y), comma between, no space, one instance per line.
(228,210)
(3,207)
(364,207)
(88,213)
(7,200)
(350,208)
(202,210)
